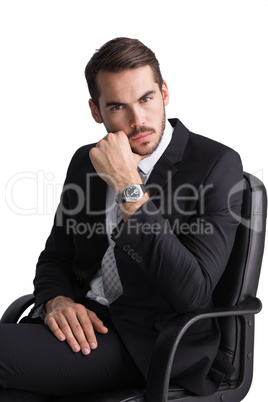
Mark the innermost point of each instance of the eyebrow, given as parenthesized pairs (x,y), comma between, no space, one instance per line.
(114,103)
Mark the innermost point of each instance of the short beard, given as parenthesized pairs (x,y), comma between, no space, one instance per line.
(143,129)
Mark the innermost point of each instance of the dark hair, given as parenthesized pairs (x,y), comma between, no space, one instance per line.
(118,55)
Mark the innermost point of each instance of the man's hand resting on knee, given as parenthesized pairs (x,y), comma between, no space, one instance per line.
(73,322)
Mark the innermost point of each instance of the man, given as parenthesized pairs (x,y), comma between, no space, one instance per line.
(142,234)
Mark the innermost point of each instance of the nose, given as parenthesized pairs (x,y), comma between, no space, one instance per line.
(137,117)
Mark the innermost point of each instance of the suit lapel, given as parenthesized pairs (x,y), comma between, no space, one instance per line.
(169,162)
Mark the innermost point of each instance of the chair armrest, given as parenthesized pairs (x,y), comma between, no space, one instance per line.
(16,309)
(169,339)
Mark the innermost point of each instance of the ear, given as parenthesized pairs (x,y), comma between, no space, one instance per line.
(165,93)
(95,111)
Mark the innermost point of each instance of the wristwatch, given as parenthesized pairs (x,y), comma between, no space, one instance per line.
(131,193)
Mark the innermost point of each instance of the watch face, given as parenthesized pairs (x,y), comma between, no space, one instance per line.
(133,192)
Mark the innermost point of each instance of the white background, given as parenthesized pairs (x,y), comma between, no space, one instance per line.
(213,55)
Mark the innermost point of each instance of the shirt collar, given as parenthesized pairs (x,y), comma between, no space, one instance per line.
(146,165)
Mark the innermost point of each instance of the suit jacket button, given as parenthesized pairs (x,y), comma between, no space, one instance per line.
(130,251)
(135,256)
(139,259)
(126,247)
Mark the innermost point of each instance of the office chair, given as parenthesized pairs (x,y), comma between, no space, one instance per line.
(235,307)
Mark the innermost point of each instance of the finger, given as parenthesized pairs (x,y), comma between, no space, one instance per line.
(85,334)
(70,329)
(78,328)
(137,158)
(86,338)
(60,327)
(53,326)
(97,323)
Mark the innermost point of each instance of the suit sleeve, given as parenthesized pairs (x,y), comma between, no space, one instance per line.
(185,264)
(54,274)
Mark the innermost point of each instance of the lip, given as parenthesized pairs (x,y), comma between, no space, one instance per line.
(142,138)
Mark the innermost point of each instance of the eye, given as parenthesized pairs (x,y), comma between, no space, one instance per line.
(117,108)
(146,99)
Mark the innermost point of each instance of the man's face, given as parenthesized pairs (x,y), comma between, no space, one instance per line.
(131,101)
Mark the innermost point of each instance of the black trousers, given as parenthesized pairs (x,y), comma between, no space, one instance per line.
(36,367)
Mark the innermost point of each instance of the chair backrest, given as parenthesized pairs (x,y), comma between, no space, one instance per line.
(241,277)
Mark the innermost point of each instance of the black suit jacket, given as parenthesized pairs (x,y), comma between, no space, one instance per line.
(170,254)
